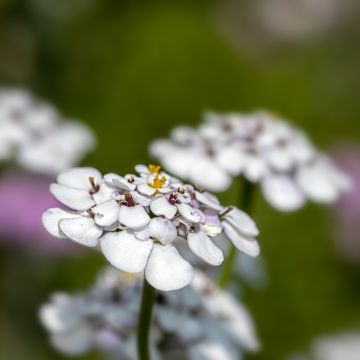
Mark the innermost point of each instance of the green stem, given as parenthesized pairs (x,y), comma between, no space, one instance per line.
(246,200)
(147,302)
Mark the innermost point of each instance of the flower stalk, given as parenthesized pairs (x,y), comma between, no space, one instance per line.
(245,203)
(143,332)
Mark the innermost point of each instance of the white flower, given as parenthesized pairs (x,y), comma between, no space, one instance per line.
(35,135)
(259,146)
(137,230)
(102,317)
(205,321)
(208,322)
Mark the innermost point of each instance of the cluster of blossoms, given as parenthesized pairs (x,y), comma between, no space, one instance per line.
(36,136)
(198,322)
(136,220)
(259,146)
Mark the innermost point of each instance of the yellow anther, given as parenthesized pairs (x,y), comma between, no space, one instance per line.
(158,182)
(154,169)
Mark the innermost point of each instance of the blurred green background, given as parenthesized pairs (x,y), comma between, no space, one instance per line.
(132,71)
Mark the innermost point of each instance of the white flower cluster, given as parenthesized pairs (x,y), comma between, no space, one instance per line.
(259,146)
(35,135)
(198,322)
(137,219)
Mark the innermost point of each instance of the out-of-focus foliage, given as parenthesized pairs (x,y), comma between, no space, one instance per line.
(132,71)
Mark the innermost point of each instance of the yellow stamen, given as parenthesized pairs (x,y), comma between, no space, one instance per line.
(158,182)
(154,169)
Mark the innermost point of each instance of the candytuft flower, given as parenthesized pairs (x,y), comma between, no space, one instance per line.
(137,229)
(259,146)
(200,321)
(37,137)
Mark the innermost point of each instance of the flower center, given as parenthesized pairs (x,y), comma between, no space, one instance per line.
(158,182)
(129,200)
(154,169)
(173,199)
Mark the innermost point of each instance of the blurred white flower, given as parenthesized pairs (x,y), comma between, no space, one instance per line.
(199,322)
(34,134)
(259,146)
(136,221)
(345,346)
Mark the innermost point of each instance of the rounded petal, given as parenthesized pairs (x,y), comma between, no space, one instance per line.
(281,193)
(255,168)
(73,198)
(119,181)
(141,199)
(248,245)
(142,233)
(105,193)
(78,178)
(208,174)
(82,230)
(161,207)
(125,252)
(142,169)
(107,213)
(189,213)
(202,246)
(241,221)
(51,217)
(162,230)
(178,161)
(209,200)
(133,216)
(166,270)
(145,189)
(231,159)
(317,184)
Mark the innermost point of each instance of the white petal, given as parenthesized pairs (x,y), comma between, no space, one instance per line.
(140,199)
(208,174)
(161,207)
(82,230)
(142,169)
(178,161)
(73,198)
(105,193)
(317,184)
(166,270)
(241,221)
(133,216)
(280,159)
(142,233)
(51,218)
(210,200)
(281,193)
(255,168)
(162,230)
(119,181)
(125,252)
(245,244)
(107,213)
(189,213)
(76,342)
(201,245)
(79,177)
(145,189)
(231,159)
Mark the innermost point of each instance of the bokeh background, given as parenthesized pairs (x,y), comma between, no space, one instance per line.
(132,70)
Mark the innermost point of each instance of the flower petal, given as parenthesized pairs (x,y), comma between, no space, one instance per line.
(105,193)
(210,200)
(82,230)
(248,245)
(51,218)
(73,198)
(201,245)
(133,216)
(231,159)
(281,193)
(119,181)
(145,189)
(166,270)
(140,199)
(107,213)
(189,213)
(142,233)
(78,178)
(161,207)
(208,174)
(241,221)
(162,230)
(125,252)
